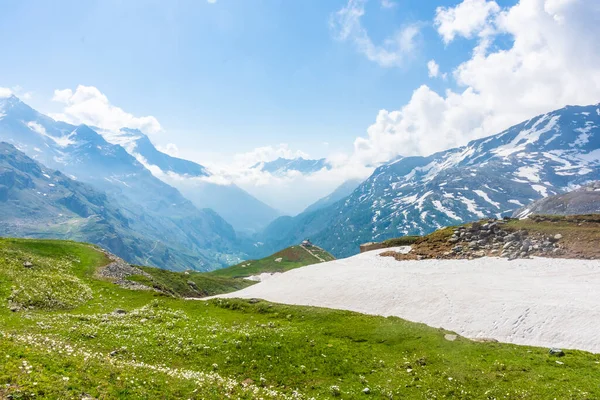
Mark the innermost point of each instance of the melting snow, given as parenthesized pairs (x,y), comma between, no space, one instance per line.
(527,136)
(484,196)
(540,189)
(472,206)
(438,205)
(529,172)
(62,141)
(517,202)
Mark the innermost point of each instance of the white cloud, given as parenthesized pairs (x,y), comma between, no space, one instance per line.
(5,92)
(87,105)
(211,1)
(388,4)
(469,18)
(170,149)
(433,68)
(553,61)
(346,25)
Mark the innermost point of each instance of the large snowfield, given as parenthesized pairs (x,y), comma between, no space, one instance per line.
(541,301)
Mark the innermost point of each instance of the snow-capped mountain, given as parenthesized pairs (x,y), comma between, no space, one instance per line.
(243,211)
(584,200)
(282,166)
(156,210)
(489,177)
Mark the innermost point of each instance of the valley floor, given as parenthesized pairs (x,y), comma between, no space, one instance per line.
(541,301)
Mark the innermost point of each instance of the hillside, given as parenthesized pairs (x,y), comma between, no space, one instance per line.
(585,200)
(72,335)
(487,178)
(284,260)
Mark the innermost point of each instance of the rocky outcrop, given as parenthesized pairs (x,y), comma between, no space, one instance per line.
(491,239)
(118,271)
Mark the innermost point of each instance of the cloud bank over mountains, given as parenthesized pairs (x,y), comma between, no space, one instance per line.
(527,59)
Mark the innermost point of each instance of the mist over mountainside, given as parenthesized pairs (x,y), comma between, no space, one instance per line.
(154,209)
(488,177)
(240,209)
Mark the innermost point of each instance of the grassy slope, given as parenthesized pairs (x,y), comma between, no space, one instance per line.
(178,283)
(171,348)
(292,257)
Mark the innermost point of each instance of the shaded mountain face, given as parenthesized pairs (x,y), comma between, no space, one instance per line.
(282,166)
(585,200)
(154,209)
(342,191)
(36,201)
(243,211)
(489,177)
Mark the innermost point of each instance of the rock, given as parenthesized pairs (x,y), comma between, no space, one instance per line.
(277,260)
(453,239)
(253,301)
(475,226)
(450,337)
(508,244)
(479,253)
(556,352)
(526,245)
(481,243)
(557,237)
(485,340)
(28,264)
(457,249)
(119,311)
(473,245)
(193,285)
(366,390)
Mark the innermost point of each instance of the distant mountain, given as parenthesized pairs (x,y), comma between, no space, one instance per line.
(585,200)
(243,211)
(488,177)
(36,201)
(154,209)
(282,166)
(342,191)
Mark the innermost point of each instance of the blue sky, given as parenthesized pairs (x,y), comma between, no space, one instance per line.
(227,77)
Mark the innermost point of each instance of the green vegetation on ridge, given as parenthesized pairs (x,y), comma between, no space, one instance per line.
(107,342)
(284,260)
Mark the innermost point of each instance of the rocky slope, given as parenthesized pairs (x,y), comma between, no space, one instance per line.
(488,177)
(585,200)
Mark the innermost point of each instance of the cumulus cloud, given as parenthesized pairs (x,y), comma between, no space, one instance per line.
(552,61)
(388,4)
(5,92)
(170,149)
(433,68)
(346,26)
(87,105)
(469,18)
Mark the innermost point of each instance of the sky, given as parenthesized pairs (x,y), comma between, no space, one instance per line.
(228,83)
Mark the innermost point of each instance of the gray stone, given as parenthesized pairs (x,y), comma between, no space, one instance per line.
(28,264)
(450,337)
(366,390)
(556,352)
(119,311)
(557,237)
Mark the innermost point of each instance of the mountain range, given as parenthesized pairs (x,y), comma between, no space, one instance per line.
(243,211)
(154,209)
(489,177)
(282,166)
(118,190)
